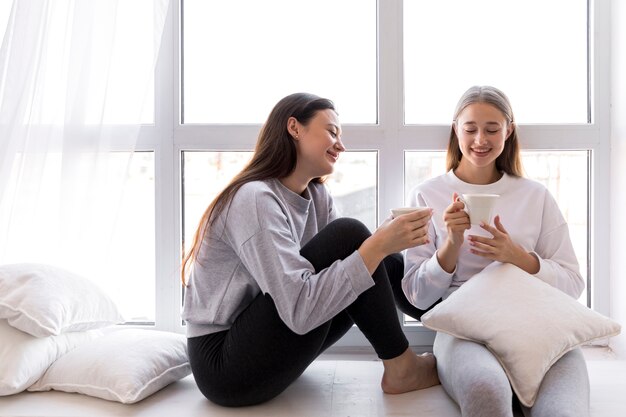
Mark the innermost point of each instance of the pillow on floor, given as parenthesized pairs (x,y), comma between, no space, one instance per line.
(527,324)
(124,365)
(43,300)
(24,358)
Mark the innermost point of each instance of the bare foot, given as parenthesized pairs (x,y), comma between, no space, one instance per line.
(409,372)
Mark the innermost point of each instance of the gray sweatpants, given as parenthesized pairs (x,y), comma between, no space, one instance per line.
(474,378)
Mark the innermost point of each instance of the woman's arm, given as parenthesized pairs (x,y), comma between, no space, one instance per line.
(558,265)
(395,235)
(428,269)
(457,222)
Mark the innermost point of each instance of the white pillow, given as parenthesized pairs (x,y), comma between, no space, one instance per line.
(24,358)
(526,323)
(124,365)
(44,300)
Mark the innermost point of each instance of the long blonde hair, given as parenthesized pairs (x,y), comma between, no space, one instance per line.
(274,156)
(509,160)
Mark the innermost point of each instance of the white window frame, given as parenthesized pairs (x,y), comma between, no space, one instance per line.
(390,137)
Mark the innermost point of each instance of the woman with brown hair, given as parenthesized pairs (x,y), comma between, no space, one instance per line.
(274,278)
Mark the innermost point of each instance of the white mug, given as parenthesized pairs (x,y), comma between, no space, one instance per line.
(405,210)
(479,206)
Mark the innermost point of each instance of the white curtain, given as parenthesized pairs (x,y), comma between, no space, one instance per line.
(76,85)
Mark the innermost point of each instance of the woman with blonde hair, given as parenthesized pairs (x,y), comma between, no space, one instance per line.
(483,157)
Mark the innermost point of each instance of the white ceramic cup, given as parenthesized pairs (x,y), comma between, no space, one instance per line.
(405,210)
(479,206)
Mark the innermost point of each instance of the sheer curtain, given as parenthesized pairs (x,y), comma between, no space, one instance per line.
(76,85)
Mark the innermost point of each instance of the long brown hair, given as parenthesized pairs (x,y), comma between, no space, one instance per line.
(275,156)
(509,160)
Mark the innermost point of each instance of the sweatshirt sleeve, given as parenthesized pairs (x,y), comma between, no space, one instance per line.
(333,214)
(558,265)
(304,299)
(424,280)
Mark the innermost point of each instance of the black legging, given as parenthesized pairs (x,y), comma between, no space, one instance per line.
(395,263)
(259,356)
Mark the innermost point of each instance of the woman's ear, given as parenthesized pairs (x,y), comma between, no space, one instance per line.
(509,130)
(292,127)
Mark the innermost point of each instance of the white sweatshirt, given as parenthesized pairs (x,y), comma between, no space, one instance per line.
(527,211)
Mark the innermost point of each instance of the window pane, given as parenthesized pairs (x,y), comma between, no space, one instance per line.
(242,56)
(420,166)
(450,45)
(130,279)
(110,236)
(564,173)
(130,91)
(353,184)
(205,174)
(91,72)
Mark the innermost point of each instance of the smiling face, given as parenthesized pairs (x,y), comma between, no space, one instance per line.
(482,131)
(318,144)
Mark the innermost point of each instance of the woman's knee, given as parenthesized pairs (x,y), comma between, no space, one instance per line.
(490,390)
(338,240)
(568,381)
(473,377)
(487,397)
(347,227)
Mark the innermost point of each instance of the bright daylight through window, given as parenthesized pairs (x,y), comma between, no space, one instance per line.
(236,66)
(394,69)
(544,72)
(511,45)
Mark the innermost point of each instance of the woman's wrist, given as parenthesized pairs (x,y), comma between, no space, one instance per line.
(447,256)
(371,254)
(527,261)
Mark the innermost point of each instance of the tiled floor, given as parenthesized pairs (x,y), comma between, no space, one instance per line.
(336,385)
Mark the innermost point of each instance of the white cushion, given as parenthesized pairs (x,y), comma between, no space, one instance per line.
(44,300)
(124,365)
(527,324)
(24,358)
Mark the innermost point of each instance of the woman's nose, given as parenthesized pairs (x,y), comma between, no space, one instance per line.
(480,137)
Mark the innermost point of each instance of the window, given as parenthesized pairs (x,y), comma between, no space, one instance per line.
(110,64)
(241,56)
(77,190)
(123,201)
(396,71)
(511,45)
(130,279)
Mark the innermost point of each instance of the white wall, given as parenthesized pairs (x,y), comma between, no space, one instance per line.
(618,172)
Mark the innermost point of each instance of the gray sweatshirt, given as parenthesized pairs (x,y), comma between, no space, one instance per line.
(254,246)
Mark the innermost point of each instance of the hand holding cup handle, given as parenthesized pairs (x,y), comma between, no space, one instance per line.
(479,207)
(459,197)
